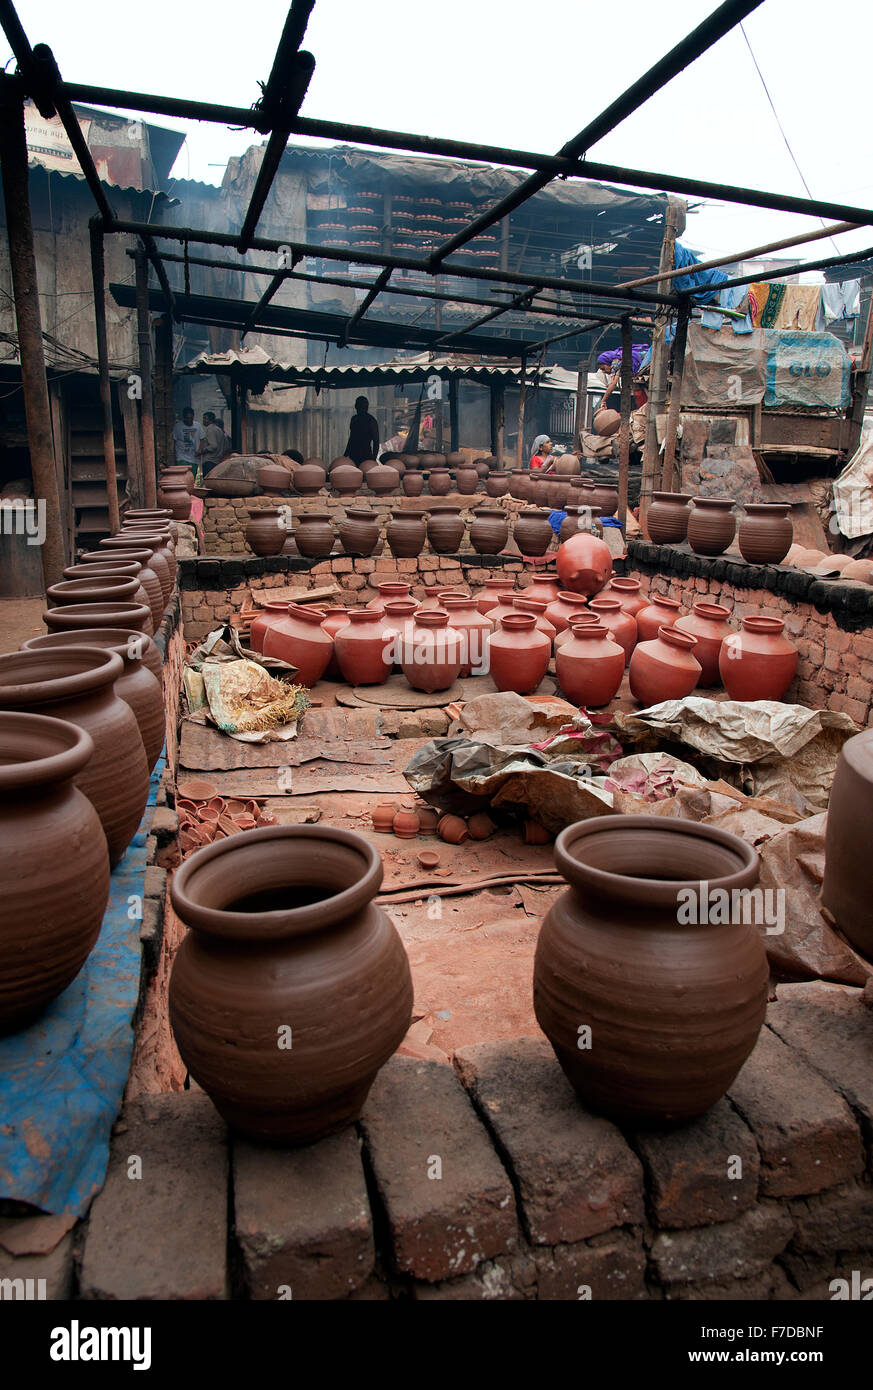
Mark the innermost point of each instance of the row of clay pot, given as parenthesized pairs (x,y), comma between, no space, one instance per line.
(765,533)
(406,822)
(283,925)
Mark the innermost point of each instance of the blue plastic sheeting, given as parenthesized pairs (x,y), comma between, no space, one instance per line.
(705,278)
(62,1079)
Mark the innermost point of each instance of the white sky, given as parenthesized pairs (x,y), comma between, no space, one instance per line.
(523,75)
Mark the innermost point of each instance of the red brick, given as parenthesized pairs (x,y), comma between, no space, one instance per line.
(610,1266)
(832,1221)
(856,689)
(406,565)
(853,708)
(729,1250)
(689,1182)
(836,640)
(863,647)
(342,565)
(364,565)
(509,1278)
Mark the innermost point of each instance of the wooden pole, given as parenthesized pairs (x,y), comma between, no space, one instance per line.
(164,391)
(581,401)
(243,417)
(499,398)
(98,281)
(454,422)
(144,338)
(522,401)
(234,417)
(627,371)
(25,290)
(674,225)
(668,470)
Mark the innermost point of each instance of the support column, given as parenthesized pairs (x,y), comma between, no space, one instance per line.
(144,338)
(674,225)
(164,418)
(498,410)
(454,423)
(581,401)
(98,281)
(522,401)
(668,470)
(627,371)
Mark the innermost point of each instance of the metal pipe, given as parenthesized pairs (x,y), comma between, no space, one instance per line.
(161,272)
(98,280)
(835,229)
(364,305)
(627,371)
(20,45)
(144,338)
(670,436)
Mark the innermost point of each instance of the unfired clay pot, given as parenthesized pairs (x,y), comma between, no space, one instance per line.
(845,893)
(497,484)
(584,563)
(265,532)
(346,479)
(532,533)
(621,627)
(439,482)
(518,653)
(273,479)
(711,525)
(759,662)
(604,495)
(445,529)
(660,611)
(589,665)
(466,480)
(488,596)
(765,533)
(299,639)
(359,532)
(360,647)
(434,654)
(564,608)
(709,624)
(412,484)
(308,479)
(405,534)
(474,627)
(285,942)
(667,517)
(54,866)
(627,591)
(81,615)
(176,498)
(314,534)
(489,531)
(606,422)
(664,668)
(157,554)
(382,479)
(674,1001)
(103,588)
(103,560)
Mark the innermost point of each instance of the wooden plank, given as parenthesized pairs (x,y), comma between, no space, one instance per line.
(261,597)
(309,781)
(132,446)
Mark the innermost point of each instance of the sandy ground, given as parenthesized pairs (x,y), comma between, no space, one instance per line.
(20,618)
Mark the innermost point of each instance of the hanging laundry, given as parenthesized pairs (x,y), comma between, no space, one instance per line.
(775,295)
(798,308)
(839,301)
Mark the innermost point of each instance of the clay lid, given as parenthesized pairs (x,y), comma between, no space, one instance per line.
(307,613)
(36,677)
(36,750)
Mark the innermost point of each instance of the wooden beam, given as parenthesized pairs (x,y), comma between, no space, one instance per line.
(674,225)
(627,371)
(98,281)
(522,402)
(164,417)
(454,423)
(144,339)
(132,446)
(668,469)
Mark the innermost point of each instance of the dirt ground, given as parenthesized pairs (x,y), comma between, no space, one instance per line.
(20,618)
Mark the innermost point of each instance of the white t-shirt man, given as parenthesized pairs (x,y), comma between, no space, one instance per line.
(187,437)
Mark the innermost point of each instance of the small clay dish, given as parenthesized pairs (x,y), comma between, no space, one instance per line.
(208,814)
(429,859)
(197,790)
(245,821)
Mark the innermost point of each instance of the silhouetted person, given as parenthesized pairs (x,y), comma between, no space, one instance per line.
(363,433)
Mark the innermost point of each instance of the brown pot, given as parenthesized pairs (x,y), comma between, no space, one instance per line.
(628,592)
(439,482)
(660,611)
(497,484)
(759,662)
(135,616)
(674,1007)
(481,826)
(342,459)
(382,479)
(176,498)
(359,532)
(532,534)
(362,647)
(621,627)
(475,629)
(308,479)
(104,560)
(283,936)
(845,893)
(433,654)
(456,460)
(273,479)
(518,654)
(160,558)
(346,479)
(445,529)
(665,668)
(570,524)
(101,589)
(466,480)
(405,534)
(711,525)
(606,422)
(452,829)
(117,570)
(518,484)
(412,484)
(314,534)
(667,517)
(605,496)
(176,473)
(766,533)
(298,638)
(489,531)
(77,683)
(709,625)
(589,665)
(411,461)
(584,563)
(266,530)
(54,867)
(488,596)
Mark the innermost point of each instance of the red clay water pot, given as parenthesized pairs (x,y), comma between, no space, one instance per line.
(532,533)
(711,525)
(766,532)
(390,590)
(564,608)
(54,866)
(845,893)
(475,628)
(634,950)
(334,619)
(382,817)
(398,625)
(585,619)
(104,560)
(359,532)
(518,654)
(660,611)
(138,685)
(627,591)
(505,604)
(584,563)
(383,479)
(266,530)
(439,482)
(759,662)
(667,517)
(361,645)
(488,596)
(177,498)
(346,479)
(589,665)
(314,534)
(543,586)
(433,655)
(265,617)
(80,615)
(481,826)
(274,480)
(664,668)
(405,534)
(405,824)
(445,529)
(299,639)
(412,483)
(522,604)
(709,624)
(284,936)
(78,684)
(620,625)
(308,479)
(489,531)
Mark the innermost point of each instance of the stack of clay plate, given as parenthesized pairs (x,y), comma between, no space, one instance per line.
(205,816)
(827,566)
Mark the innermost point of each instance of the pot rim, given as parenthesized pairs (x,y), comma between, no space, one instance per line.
(757,508)
(105,669)
(135,555)
(119,584)
(665,600)
(638,890)
(77,748)
(683,497)
(722,503)
(713,612)
(591,628)
(108,639)
(518,622)
(272,926)
(626,582)
(67,612)
(307,612)
(759,622)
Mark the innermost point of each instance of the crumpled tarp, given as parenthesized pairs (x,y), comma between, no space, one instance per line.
(230,686)
(63,1078)
(853,492)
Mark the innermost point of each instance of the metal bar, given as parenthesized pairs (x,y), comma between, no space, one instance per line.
(522,402)
(249,117)
(163,374)
(144,338)
(668,466)
(274,285)
(50,81)
(713,28)
(364,305)
(25,291)
(20,45)
(518,301)
(835,229)
(98,280)
(161,272)
(848,259)
(627,371)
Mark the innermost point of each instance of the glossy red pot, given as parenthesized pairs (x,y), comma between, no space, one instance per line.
(265,617)
(433,654)
(363,647)
(709,624)
(389,591)
(488,596)
(759,662)
(660,611)
(518,654)
(334,619)
(664,668)
(584,563)
(589,665)
(299,639)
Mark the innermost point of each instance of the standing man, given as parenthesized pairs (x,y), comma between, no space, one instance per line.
(363,433)
(187,438)
(211,450)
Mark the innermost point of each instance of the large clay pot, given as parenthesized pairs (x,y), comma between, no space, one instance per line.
(434,654)
(445,529)
(466,480)
(298,638)
(411,462)
(583,620)
(405,534)
(621,627)
(152,544)
(78,683)
(398,625)
(497,484)
(383,479)
(273,479)
(671,1001)
(766,533)
(314,534)
(505,604)
(177,498)
(139,684)
(359,532)
(627,591)
(147,577)
(532,533)
(568,464)
(667,517)
(387,592)
(845,893)
(589,665)
(759,662)
(101,589)
(584,563)
(522,604)
(116,570)
(346,479)
(561,611)
(266,530)
(264,618)
(660,611)
(544,586)
(518,654)
(176,473)
(488,596)
(709,625)
(333,621)
(54,867)
(518,481)
(665,668)
(135,616)
(474,627)
(362,647)
(412,484)
(489,531)
(605,496)
(606,422)
(711,525)
(308,479)
(570,524)
(538,493)
(284,936)
(455,459)
(439,482)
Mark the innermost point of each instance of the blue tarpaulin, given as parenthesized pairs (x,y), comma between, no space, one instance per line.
(62,1079)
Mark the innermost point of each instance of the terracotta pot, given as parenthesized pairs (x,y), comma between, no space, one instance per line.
(405,825)
(334,620)
(434,461)
(445,529)
(412,462)
(314,534)
(453,829)
(711,525)
(433,655)
(265,617)
(54,867)
(564,608)
(177,498)
(584,564)
(606,422)
(346,479)
(299,639)
(455,459)
(158,556)
(383,817)
(308,479)
(284,935)
(535,834)
(475,629)
(266,530)
(522,604)
(176,473)
(488,596)
(605,496)
(665,668)
(135,616)
(538,493)
(766,532)
(570,524)
(518,484)
(559,493)
(439,482)
(620,625)
(103,588)
(138,685)
(94,574)
(394,461)
(466,480)
(628,593)
(583,620)
(568,464)
(383,479)
(398,625)
(845,893)
(589,665)
(759,662)
(708,624)
(77,683)
(104,560)
(405,534)
(362,647)
(274,479)
(542,586)
(431,598)
(587,521)
(481,826)
(674,1007)
(497,484)
(412,484)
(359,532)
(518,654)
(667,517)
(390,590)
(660,611)
(532,534)
(489,531)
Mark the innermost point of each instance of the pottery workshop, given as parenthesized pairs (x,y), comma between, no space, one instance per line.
(436,702)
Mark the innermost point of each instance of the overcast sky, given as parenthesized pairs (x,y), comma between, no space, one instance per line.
(523,75)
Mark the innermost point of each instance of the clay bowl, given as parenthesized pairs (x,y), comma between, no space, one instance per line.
(196,789)
(428,859)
